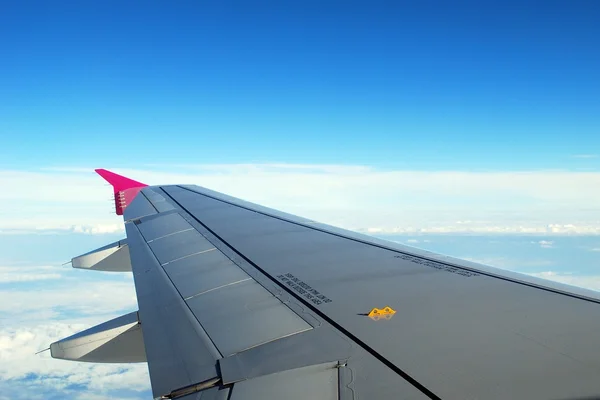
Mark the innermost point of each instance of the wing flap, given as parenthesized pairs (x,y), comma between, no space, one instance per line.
(183,281)
(179,245)
(178,351)
(243,315)
(214,393)
(234,310)
(163,225)
(202,272)
(312,382)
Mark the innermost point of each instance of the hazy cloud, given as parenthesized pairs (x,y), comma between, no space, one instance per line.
(42,304)
(585,156)
(73,295)
(464,228)
(512,264)
(354,197)
(35,374)
(588,282)
(28,274)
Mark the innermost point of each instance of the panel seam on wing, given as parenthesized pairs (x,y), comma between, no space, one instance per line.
(217,288)
(204,335)
(189,255)
(169,234)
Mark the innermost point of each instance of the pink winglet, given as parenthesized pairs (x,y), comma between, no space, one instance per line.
(125,189)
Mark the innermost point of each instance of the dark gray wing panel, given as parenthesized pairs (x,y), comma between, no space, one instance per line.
(198,306)
(459,332)
(139,207)
(177,350)
(312,382)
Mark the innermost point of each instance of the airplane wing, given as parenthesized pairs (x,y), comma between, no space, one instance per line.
(239,301)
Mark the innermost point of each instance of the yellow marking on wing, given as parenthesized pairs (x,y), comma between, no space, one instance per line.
(378,313)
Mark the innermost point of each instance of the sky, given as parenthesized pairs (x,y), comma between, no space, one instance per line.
(466,128)
(461,85)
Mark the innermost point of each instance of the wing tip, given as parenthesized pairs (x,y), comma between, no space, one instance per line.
(119,182)
(121,188)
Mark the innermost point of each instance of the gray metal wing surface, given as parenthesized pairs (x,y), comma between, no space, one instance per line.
(238,301)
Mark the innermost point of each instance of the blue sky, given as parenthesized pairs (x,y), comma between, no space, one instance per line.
(467,85)
(466,128)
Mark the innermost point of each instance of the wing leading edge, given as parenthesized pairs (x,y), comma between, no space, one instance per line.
(244,301)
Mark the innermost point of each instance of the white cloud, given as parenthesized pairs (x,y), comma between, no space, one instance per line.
(63,291)
(93,229)
(20,366)
(98,228)
(591,282)
(552,229)
(39,313)
(356,197)
(96,298)
(28,274)
(585,156)
(412,241)
(595,249)
(546,244)
(24,277)
(512,264)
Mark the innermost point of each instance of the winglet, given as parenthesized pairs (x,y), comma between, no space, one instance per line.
(125,189)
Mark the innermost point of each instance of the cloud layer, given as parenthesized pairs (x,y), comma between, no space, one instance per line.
(39,373)
(588,282)
(355,197)
(28,274)
(42,304)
